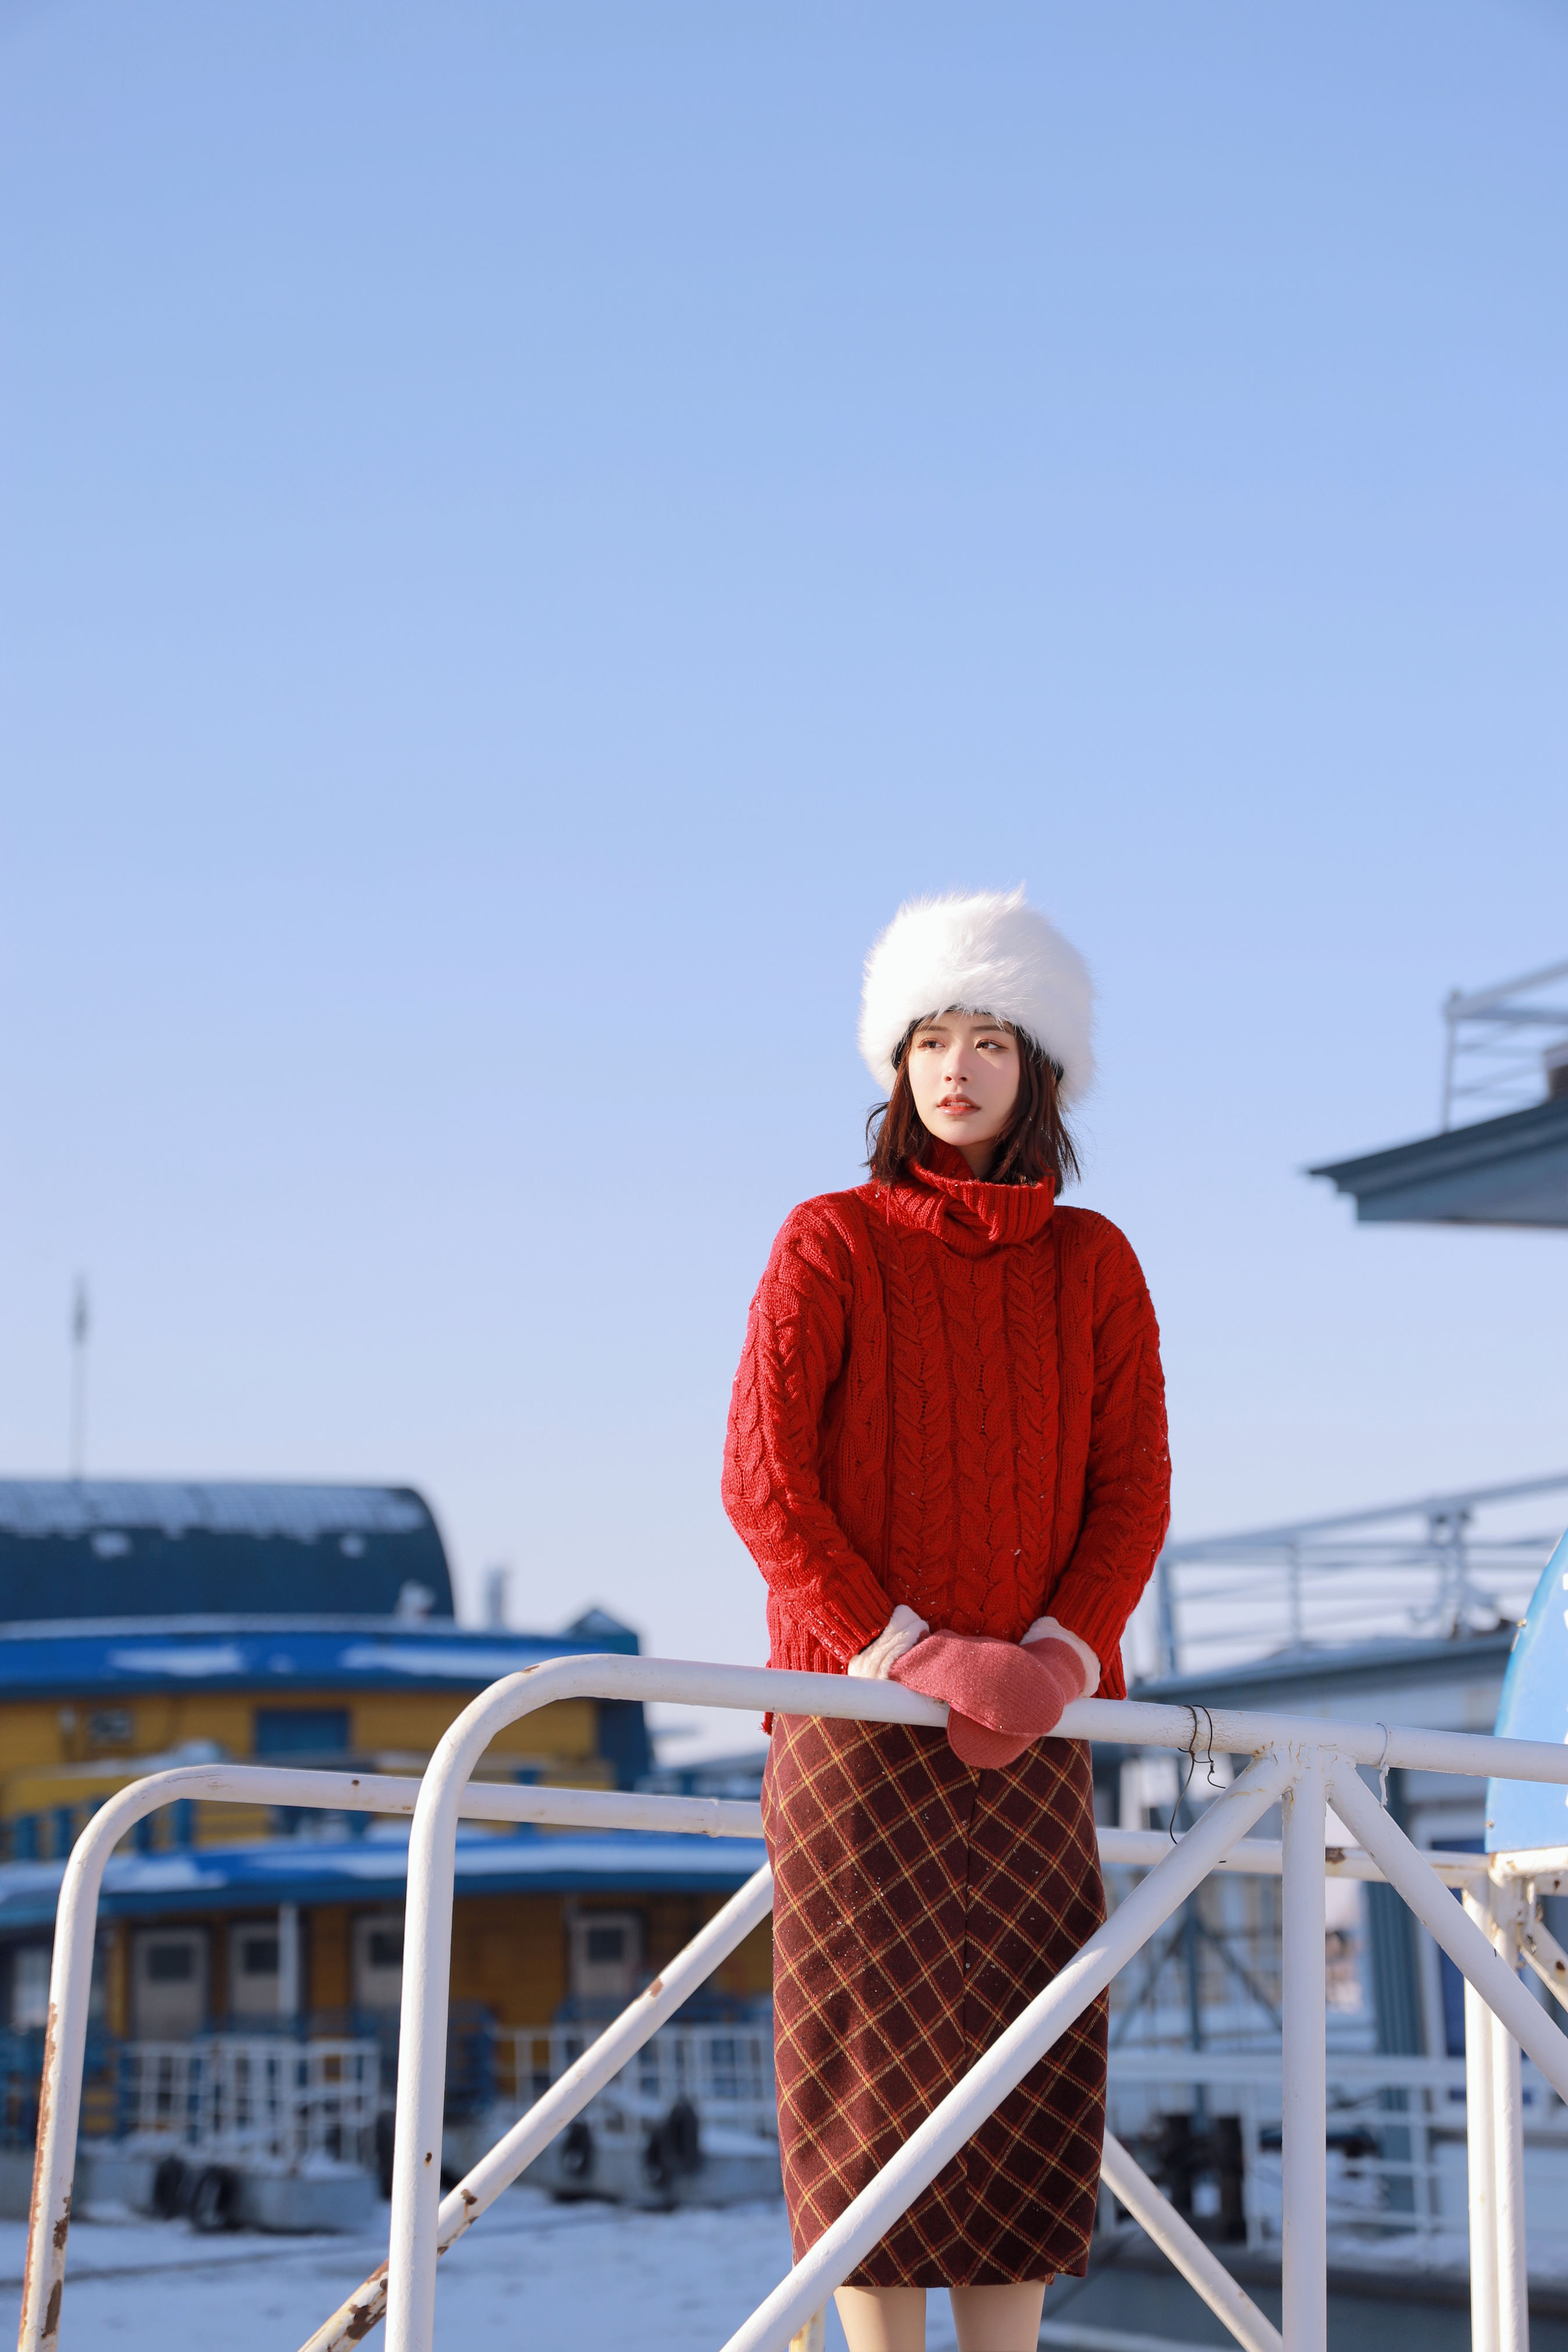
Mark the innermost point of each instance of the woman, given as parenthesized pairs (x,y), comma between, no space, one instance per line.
(947,1455)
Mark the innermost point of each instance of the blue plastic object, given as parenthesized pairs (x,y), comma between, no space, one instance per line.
(1521,1814)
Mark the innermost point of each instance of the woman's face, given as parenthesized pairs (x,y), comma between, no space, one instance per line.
(964,1075)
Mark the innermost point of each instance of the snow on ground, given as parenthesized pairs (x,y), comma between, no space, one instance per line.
(534,2275)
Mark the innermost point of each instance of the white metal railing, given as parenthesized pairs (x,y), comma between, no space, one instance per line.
(1441,1563)
(1374,2196)
(249,2097)
(1300,1765)
(1503,1045)
(726,2071)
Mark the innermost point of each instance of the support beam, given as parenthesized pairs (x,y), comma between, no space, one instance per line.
(1180,2243)
(1304,2276)
(955,2118)
(1481,2123)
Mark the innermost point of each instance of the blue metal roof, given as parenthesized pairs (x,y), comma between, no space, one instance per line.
(1313,1675)
(115,1547)
(374,1868)
(1511,1170)
(237,1653)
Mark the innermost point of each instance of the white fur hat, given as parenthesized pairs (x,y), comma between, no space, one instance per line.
(981,951)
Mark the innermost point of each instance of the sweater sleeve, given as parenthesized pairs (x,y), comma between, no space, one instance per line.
(1127,1489)
(796,1337)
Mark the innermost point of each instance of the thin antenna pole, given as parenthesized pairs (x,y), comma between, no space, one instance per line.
(81,1324)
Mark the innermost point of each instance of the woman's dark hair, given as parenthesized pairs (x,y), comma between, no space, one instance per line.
(1036,1142)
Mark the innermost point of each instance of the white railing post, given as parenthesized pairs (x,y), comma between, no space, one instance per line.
(582,2080)
(955,2118)
(1278,1745)
(1508,2143)
(1466,1946)
(1180,2242)
(1304,2091)
(422,2028)
(412,2253)
(1480,2121)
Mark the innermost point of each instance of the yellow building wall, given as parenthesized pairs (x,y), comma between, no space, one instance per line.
(76,1755)
(672,1921)
(509,1952)
(326,1962)
(31,1734)
(394,1720)
(42,1737)
(749,1971)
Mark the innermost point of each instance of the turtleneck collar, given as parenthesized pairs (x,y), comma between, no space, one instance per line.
(944,1199)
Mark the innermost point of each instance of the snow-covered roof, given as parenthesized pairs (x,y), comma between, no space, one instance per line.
(309,1870)
(64,1660)
(123,1548)
(223,1506)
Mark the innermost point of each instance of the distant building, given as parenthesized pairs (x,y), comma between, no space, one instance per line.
(145,1625)
(1500,1154)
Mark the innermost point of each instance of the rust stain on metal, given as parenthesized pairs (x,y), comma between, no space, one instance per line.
(469,2198)
(52,2316)
(361,2317)
(655,1988)
(1333,1853)
(35,2210)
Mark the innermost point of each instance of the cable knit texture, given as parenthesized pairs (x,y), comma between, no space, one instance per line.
(949,1398)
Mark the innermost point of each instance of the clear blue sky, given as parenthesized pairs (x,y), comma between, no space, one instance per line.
(528,529)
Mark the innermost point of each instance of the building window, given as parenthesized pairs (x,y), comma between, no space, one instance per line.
(255,1949)
(378,1960)
(301,1731)
(108,1726)
(168,1983)
(607,1952)
(171,1964)
(29,1987)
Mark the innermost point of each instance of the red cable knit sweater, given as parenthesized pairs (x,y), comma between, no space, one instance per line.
(951,1396)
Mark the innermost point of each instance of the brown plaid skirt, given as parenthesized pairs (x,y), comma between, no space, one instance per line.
(918,1907)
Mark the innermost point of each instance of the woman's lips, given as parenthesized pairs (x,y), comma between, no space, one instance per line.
(955,1103)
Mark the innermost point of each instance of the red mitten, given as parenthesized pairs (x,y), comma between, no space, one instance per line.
(1000,1697)
(1062,1662)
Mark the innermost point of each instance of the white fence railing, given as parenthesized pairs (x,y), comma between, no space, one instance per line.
(726,2071)
(1396,2135)
(247,2098)
(1440,1564)
(1302,1766)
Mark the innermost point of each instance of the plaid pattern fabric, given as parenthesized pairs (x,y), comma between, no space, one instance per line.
(918,1907)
